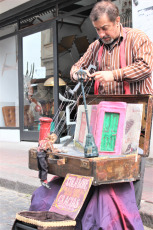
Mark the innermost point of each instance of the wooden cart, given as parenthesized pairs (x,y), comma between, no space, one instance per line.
(109,168)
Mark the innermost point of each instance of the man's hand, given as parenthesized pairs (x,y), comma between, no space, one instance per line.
(103,76)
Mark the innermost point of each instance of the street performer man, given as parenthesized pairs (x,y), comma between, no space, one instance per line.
(124,61)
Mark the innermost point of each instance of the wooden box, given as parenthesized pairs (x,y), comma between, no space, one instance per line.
(105,168)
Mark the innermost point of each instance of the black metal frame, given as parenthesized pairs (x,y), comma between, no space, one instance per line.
(34,135)
(30,9)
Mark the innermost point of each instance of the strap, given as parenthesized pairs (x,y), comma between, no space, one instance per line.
(96,85)
(123,62)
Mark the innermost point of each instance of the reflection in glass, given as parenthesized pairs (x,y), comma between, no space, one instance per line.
(37,67)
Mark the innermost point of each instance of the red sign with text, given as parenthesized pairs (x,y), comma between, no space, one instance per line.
(72,195)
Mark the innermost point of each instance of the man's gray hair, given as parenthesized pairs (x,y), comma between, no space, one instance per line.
(104,7)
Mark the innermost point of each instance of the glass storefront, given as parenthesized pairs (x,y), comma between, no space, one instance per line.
(37,68)
(9,97)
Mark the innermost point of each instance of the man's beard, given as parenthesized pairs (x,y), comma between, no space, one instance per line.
(107,42)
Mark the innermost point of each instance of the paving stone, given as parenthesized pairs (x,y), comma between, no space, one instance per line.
(11,202)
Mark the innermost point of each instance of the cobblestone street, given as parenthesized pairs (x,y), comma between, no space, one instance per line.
(12,202)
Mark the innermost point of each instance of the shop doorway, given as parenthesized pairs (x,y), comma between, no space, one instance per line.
(37,98)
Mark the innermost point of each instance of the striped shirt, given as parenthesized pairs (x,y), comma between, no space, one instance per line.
(139,63)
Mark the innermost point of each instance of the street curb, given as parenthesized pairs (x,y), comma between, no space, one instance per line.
(147,217)
(17,186)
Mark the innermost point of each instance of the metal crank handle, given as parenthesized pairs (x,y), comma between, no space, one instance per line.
(92,68)
(81,74)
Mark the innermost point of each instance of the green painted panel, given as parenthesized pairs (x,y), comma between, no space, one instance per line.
(109,132)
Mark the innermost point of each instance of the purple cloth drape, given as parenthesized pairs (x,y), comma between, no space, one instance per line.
(109,207)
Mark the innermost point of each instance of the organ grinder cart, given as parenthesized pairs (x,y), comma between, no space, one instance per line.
(120,164)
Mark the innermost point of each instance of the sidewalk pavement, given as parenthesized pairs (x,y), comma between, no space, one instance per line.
(15,174)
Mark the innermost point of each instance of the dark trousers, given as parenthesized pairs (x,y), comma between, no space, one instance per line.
(138,185)
(42,165)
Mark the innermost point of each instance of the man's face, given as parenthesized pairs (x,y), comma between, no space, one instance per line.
(108,31)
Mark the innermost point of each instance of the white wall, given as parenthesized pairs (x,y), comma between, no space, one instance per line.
(8,75)
(142,14)
(9,70)
(10,135)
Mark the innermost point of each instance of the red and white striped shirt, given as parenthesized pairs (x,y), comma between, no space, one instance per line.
(139,61)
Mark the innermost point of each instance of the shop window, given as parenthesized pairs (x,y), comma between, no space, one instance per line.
(9,99)
(37,68)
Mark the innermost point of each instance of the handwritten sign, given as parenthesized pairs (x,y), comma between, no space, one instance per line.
(72,195)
